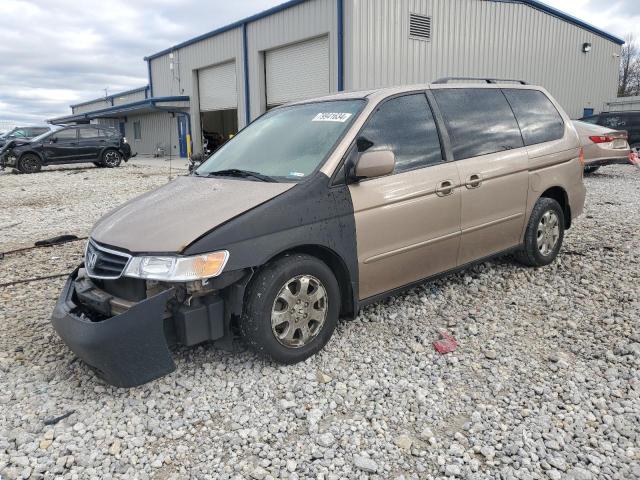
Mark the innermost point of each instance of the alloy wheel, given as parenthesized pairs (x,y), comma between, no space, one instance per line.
(548,232)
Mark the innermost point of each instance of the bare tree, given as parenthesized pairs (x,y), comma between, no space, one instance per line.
(629,78)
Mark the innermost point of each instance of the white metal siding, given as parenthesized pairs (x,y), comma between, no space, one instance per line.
(477,38)
(217,87)
(129,97)
(623,104)
(183,79)
(90,107)
(157,129)
(297,71)
(304,21)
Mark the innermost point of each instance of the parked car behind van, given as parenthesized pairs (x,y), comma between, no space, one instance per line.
(316,209)
(602,146)
(628,121)
(23,133)
(102,146)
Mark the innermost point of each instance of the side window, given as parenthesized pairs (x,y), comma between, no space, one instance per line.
(406,126)
(137,131)
(19,134)
(38,131)
(539,120)
(66,134)
(88,133)
(479,121)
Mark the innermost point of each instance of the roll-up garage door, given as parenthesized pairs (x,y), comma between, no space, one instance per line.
(218,87)
(297,71)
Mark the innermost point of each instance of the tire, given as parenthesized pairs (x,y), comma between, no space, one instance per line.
(590,170)
(29,163)
(111,159)
(544,235)
(276,291)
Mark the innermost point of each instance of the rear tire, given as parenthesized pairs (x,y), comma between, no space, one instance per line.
(111,159)
(590,170)
(291,308)
(29,163)
(544,235)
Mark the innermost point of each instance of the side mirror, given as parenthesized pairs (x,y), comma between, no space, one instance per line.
(374,164)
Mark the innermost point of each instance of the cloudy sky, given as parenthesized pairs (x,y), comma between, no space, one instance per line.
(58,52)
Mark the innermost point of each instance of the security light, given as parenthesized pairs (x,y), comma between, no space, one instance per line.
(586,47)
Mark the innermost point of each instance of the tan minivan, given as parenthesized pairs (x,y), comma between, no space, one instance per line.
(316,209)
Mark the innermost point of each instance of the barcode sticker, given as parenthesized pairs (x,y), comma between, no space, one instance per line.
(332,117)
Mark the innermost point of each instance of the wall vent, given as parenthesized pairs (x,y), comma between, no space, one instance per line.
(419,26)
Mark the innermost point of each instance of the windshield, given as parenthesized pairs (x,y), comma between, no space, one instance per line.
(287,144)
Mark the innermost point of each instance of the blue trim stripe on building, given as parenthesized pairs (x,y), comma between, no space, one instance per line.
(247,93)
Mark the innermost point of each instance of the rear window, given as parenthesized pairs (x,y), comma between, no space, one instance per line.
(539,120)
(479,121)
(89,133)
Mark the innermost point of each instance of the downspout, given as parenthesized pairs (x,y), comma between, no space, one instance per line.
(149,75)
(340,16)
(245,54)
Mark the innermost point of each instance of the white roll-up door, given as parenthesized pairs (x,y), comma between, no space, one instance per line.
(297,71)
(218,87)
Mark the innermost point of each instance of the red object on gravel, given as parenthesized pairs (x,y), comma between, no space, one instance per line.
(445,345)
(634,158)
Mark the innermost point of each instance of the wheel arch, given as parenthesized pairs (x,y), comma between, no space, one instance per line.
(560,195)
(337,264)
(34,152)
(107,149)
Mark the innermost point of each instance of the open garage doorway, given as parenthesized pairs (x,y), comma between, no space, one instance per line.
(218,127)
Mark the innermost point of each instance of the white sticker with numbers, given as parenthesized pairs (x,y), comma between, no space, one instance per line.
(332,117)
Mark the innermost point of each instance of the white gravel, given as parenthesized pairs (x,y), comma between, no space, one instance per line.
(545,382)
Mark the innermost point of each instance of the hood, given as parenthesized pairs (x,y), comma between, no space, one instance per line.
(171,217)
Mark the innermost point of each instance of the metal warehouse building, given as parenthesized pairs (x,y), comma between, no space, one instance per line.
(220,81)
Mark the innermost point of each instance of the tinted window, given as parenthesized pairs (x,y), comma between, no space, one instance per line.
(539,120)
(617,122)
(18,133)
(67,134)
(404,125)
(38,131)
(89,133)
(479,121)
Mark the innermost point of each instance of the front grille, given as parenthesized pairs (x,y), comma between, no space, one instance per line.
(101,262)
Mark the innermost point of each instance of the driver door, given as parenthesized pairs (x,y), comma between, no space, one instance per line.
(61,146)
(407,223)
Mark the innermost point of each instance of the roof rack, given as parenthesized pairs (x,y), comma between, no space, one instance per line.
(486,80)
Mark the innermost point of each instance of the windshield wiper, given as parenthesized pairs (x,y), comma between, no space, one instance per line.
(236,172)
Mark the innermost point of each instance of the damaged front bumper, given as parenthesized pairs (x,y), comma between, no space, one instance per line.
(126,350)
(127,343)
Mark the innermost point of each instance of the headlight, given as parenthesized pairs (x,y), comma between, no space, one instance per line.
(177,269)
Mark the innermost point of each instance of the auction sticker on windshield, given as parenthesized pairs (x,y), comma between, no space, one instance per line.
(332,117)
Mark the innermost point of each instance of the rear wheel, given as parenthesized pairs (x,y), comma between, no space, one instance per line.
(544,235)
(111,159)
(590,170)
(29,163)
(291,308)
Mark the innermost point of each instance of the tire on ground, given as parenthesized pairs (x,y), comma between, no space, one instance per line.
(260,297)
(530,254)
(111,158)
(29,163)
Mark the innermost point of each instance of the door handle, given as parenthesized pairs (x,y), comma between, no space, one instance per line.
(444,188)
(474,181)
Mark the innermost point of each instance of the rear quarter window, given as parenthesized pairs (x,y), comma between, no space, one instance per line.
(479,121)
(538,118)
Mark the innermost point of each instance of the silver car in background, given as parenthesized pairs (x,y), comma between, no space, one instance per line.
(602,146)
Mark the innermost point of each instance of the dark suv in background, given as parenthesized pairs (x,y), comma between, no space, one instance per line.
(102,146)
(628,121)
(22,133)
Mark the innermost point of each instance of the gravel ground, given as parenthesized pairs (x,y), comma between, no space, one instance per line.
(544,384)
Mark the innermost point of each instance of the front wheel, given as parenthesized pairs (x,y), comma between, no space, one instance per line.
(29,163)
(544,235)
(291,308)
(111,159)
